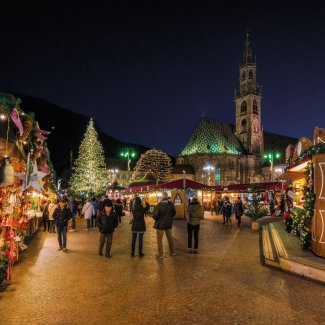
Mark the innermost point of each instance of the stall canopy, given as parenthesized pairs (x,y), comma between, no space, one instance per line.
(245,188)
(176,184)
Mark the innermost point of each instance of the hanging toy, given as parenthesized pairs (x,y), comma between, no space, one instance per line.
(7,173)
(15,118)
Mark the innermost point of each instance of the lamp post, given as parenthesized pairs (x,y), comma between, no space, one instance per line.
(271,157)
(129,154)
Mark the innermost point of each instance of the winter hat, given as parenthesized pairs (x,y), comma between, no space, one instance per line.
(107,203)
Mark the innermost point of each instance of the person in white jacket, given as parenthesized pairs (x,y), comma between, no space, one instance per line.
(51,209)
(88,211)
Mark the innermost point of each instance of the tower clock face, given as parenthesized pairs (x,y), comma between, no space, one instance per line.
(299,148)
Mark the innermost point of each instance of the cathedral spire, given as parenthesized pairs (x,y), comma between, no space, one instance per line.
(248,53)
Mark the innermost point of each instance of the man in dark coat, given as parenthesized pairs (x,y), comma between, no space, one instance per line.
(107,222)
(238,210)
(61,216)
(163,213)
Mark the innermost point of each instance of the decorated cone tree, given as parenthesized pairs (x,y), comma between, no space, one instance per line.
(89,171)
(156,162)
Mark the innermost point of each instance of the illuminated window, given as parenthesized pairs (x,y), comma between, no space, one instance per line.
(243,108)
(218,179)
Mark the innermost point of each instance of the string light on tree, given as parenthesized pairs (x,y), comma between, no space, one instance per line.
(156,162)
(89,170)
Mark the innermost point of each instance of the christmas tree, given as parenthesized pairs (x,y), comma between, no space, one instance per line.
(156,162)
(89,171)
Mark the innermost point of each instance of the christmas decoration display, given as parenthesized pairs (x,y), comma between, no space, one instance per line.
(89,176)
(23,185)
(156,162)
(7,173)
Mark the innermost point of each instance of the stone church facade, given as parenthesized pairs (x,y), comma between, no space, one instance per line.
(224,154)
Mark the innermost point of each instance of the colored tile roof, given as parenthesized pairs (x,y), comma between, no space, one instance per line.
(213,137)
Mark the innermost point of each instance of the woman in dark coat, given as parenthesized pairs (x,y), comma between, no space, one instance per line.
(138,224)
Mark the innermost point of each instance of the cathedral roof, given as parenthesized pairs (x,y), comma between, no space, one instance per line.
(213,137)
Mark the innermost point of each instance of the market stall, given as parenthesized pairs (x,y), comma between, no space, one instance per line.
(306,176)
(179,191)
(26,176)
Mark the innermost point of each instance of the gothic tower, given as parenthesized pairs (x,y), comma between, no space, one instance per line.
(248,104)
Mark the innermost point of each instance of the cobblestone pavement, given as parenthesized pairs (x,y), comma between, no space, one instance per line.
(224,284)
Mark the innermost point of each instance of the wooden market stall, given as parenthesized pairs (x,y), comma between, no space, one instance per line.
(25,180)
(179,191)
(307,177)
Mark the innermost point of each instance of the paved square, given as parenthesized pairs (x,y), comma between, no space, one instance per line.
(224,284)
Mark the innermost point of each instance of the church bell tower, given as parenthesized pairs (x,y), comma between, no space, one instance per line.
(248,104)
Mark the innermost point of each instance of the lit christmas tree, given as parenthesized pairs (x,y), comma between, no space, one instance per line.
(156,162)
(89,170)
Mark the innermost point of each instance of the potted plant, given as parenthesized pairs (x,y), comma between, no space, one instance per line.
(255,211)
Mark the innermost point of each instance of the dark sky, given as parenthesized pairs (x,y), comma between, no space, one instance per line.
(146,73)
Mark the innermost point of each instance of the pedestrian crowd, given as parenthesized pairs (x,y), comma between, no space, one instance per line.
(107,215)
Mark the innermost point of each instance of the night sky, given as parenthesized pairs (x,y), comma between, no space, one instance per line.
(146,73)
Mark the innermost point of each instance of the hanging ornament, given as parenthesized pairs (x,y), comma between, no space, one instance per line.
(15,118)
(7,173)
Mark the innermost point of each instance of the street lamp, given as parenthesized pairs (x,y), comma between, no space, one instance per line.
(129,154)
(208,169)
(271,157)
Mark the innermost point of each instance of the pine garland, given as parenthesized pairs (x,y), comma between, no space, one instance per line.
(89,172)
(305,223)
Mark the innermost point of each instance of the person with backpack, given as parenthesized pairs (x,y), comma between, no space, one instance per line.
(163,213)
(195,214)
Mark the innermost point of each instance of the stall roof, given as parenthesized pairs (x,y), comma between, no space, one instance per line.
(184,183)
(176,184)
(272,186)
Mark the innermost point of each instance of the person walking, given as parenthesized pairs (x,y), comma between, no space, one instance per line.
(96,208)
(107,222)
(138,225)
(163,213)
(45,216)
(61,217)
(51,225)
(118,208)
(238,210)
(88,211)
(195,214)
(227,211)
(74,211)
